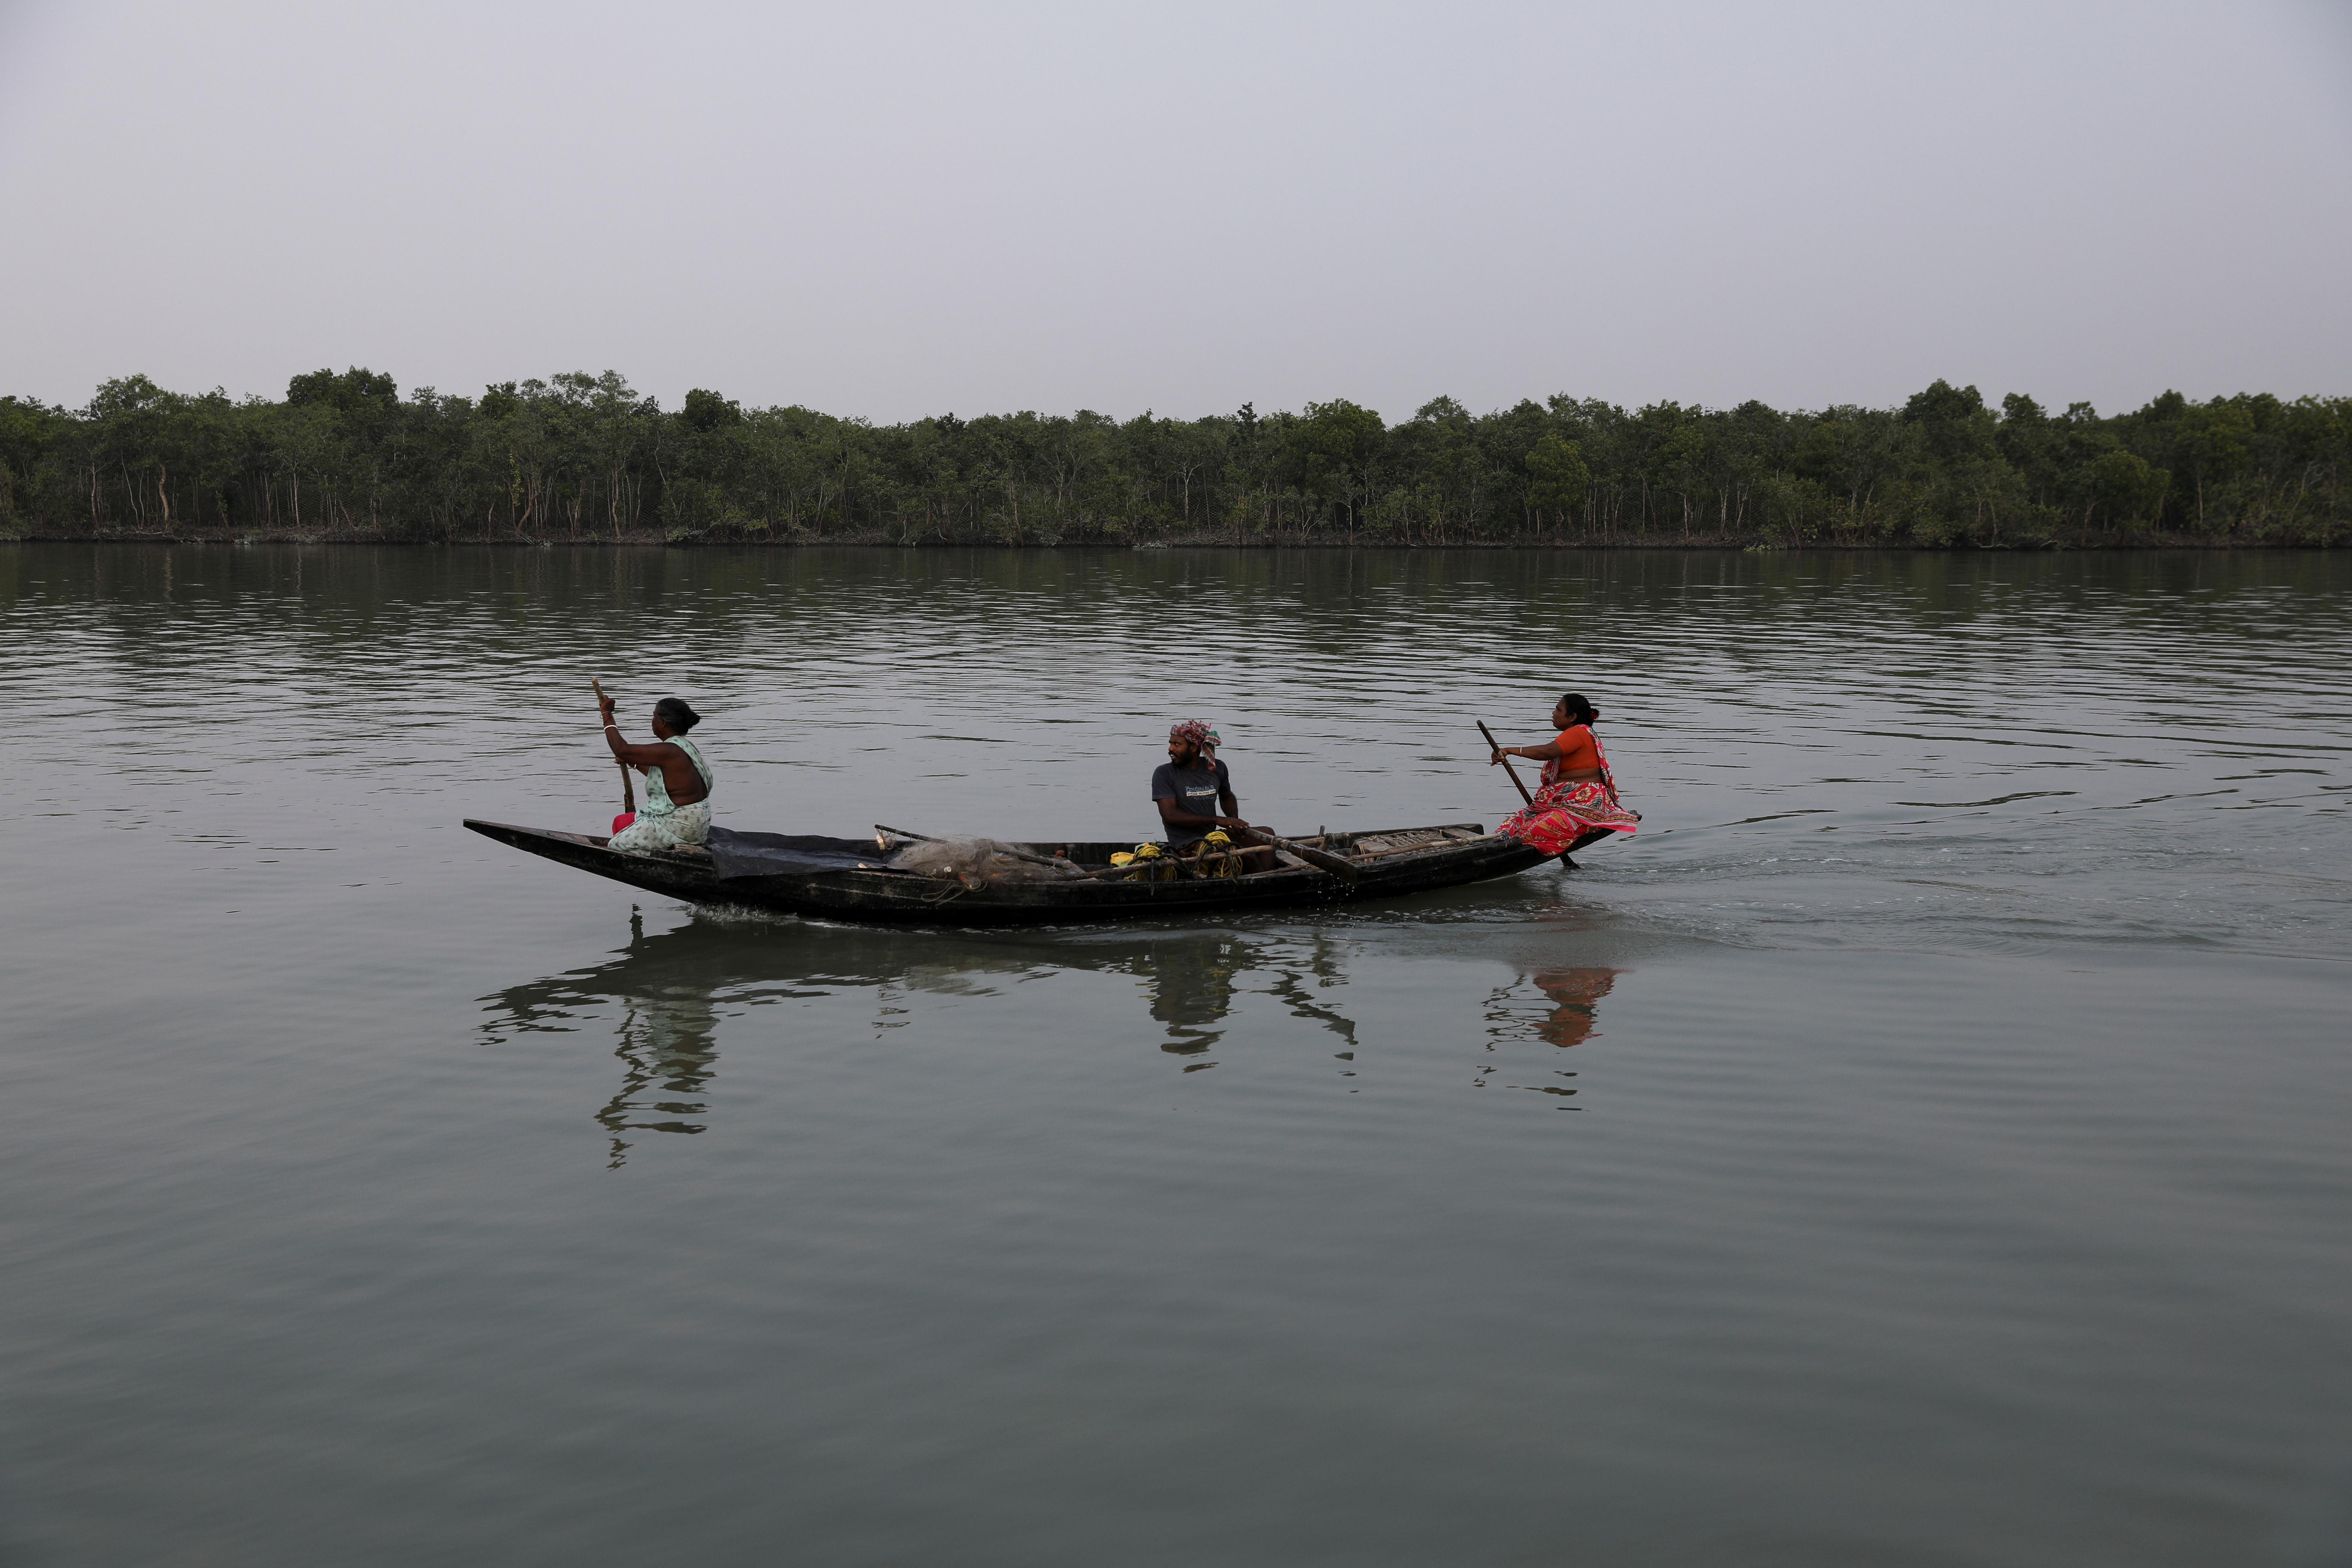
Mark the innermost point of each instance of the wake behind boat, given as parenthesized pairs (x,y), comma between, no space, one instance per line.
(855,878)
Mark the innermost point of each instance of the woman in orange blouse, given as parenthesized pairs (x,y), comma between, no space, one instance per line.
(1577,797)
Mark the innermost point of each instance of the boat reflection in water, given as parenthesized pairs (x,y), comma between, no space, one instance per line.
(675,989)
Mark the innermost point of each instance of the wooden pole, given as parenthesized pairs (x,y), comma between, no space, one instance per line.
(1497,745)
(628,785)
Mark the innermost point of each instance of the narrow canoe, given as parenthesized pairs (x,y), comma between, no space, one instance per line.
(1391,862)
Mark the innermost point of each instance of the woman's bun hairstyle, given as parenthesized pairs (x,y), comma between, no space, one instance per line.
(674,712)
(1580,711)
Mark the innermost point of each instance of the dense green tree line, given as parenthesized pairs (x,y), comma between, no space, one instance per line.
(585,458)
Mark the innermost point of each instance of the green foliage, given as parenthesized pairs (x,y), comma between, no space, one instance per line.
(1556,474)
(354,389)
(27,432)
(582,457)
(1954,422)
(2124,487)
(708,411)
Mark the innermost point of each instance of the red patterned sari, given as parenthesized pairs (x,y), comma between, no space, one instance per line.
(1565,811)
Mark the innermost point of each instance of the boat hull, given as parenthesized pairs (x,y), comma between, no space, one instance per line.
(902,896)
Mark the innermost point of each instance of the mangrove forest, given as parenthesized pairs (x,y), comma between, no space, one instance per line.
(585,458)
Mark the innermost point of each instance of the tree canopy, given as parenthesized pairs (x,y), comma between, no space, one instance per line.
(580,456)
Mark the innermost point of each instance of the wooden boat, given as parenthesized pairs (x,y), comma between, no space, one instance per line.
(1388,863)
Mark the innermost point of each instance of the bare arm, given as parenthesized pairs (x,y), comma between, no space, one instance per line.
(1549,751)
(635,756)
(680,777)
(1175,816)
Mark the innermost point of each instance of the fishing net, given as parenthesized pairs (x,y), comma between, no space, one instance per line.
(982,858)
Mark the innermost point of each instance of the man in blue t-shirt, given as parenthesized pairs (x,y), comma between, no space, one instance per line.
(1191,785)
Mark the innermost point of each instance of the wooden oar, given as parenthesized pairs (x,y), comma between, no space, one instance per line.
(1497,745)
(628,785)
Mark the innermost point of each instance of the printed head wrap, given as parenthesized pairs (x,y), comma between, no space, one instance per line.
(1192,732)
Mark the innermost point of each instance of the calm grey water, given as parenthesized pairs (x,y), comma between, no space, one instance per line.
(1925,1143)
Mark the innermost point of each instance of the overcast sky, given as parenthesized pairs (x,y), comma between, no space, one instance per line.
(894,210)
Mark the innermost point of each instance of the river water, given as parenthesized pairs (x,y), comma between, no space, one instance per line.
(1924,1144)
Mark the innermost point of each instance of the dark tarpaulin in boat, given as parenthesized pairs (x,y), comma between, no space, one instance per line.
(788,854)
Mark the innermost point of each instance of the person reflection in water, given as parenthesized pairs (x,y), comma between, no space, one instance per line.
(668,1046)
(1192,981)
(667,988)
(1577,993)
